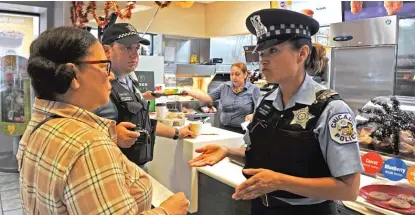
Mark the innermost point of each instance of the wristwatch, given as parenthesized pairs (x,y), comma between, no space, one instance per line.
(176,134)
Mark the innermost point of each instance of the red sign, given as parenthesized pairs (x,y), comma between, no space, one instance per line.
(372,162)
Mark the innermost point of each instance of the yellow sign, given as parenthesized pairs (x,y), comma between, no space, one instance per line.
(281,4)
(11,129)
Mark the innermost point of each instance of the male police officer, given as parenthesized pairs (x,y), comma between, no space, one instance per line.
(302,146)
(128,107)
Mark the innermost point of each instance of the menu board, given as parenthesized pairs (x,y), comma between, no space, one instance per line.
(17,32)
(355,10)
(325,13)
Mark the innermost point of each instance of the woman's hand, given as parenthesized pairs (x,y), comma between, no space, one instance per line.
(176,204)
(125,137)
(211,155)
(262,181)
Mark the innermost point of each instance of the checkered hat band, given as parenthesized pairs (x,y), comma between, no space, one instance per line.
(126,35)
(283,29)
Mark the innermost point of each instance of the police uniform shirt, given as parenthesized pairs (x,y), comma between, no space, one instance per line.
(110,111)
(341,155)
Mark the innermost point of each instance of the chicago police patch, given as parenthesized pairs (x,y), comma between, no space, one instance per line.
(342,128)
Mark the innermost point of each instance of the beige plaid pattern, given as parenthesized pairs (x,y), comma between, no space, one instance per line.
(71,165)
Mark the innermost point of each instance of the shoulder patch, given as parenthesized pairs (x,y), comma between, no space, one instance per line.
(342,128)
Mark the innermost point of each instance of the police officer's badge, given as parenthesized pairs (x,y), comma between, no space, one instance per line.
(342,128)
(301,117)
(131,28)
(259,27)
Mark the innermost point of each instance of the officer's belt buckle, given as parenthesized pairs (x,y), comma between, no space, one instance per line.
(265,201)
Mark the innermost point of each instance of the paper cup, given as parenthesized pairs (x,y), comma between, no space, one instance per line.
(196,127)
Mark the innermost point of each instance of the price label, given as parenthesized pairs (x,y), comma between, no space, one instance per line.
(372,162)
(394,169)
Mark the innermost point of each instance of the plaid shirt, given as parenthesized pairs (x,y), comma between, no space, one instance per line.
(71,165)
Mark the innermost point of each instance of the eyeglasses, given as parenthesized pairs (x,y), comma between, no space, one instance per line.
(108,62)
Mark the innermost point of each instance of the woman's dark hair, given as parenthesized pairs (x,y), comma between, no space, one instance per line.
(49,54)
(318,61)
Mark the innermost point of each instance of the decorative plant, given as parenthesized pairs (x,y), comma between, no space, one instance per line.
(390,120)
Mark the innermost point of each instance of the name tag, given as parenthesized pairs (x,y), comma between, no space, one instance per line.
(264,109)
(125,97)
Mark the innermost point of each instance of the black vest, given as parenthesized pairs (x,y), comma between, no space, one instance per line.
(279,143)
(132,108)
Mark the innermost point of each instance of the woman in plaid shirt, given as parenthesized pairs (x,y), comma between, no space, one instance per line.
(69,162)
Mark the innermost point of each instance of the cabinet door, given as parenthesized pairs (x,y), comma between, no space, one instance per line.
(359,74)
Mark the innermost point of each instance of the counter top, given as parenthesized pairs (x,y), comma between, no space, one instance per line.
(225,172)
(231,174)
(209,134)
(170,163)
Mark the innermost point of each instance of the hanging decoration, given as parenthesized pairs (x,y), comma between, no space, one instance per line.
(79,18)
(163,4)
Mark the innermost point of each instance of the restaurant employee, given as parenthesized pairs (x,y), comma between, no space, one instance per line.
(238,98)
(302,146)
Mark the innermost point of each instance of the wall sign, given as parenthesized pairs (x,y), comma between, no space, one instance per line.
(325,13)
(355,10)
(145,80)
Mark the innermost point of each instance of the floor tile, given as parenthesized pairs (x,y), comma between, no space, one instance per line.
(14,212)
(9,178)
(10,194)
(9,186)
(11,204)
(8,173)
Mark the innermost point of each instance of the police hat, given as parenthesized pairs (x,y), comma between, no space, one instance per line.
(274,26)
(123,33)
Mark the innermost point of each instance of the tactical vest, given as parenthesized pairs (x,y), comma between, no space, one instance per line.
(284,141)
(133,108)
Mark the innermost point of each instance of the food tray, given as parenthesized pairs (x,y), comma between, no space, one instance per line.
(172,122)
(170,94)
(392,191)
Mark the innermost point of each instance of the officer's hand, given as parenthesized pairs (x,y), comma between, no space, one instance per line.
(185,132)
(125,137)
(249,117)
(262,181)
(147,95)
(211,155)
(176,204)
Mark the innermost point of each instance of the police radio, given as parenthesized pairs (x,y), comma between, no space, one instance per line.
(145,135)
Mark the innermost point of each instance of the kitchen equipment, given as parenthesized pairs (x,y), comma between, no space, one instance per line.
(205,120)
(250,57)
(216,60)
(363,59)
(194,70)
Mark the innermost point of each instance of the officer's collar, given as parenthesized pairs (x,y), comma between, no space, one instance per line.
(305,95)
(122,79)
(246,85)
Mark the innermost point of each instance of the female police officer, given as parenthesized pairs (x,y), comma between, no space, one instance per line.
(302,148)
